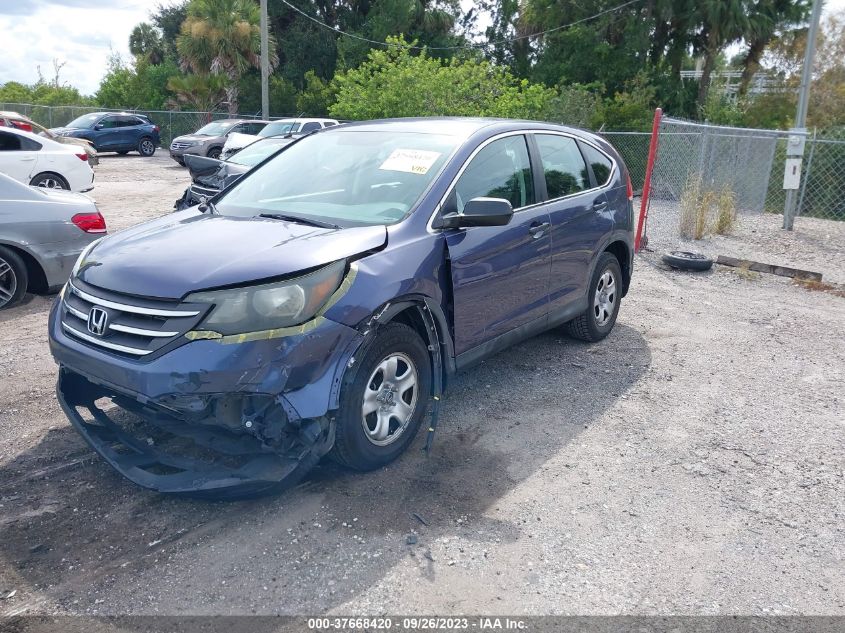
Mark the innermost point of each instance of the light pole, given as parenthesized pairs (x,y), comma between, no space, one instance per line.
(798,134)
(265,64)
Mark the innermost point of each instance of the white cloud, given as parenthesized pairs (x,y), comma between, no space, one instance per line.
(78,32)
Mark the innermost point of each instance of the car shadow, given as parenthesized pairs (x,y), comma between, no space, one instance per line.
(72,527)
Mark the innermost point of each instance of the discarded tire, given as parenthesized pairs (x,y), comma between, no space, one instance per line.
(683,260)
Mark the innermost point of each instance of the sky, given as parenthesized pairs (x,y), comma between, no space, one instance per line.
(82,33)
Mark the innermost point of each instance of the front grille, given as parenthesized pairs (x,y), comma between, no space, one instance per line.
(177,145)
(132,326)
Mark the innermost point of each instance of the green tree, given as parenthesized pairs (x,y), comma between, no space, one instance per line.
(145,43)
(199,92)
(394,83)
(317,96)
(222,37)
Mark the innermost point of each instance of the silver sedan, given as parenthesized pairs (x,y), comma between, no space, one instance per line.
(42,233)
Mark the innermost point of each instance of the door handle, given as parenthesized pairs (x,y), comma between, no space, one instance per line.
(600,205)
(27,159)
(537,230)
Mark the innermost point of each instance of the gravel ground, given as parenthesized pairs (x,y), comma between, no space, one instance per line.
(691,463)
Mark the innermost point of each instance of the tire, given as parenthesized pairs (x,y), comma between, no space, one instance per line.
(146,147)
(49,180)
(123,152)
(214,152)
(683,260)
(14,278)
(357,436)
(604,297)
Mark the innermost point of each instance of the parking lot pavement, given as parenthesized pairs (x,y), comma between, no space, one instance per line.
(690,463)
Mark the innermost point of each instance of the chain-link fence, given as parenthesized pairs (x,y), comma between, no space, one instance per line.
(705,176)
(173,123)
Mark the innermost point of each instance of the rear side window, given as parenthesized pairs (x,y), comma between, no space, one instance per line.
(564,167)
(500,170)
(601,164)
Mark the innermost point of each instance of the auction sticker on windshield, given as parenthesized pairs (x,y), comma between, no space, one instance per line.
(413,161)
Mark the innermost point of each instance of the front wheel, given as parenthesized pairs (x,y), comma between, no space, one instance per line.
(603,297)
(384,399)
(146,147)
(214,152)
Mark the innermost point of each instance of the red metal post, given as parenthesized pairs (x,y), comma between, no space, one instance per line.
(652,154)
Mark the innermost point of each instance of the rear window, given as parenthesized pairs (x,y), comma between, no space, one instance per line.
(601,164)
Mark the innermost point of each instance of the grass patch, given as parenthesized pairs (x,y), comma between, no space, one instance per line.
(705,211)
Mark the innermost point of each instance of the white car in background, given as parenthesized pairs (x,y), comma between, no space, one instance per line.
(38,161)
(236,141)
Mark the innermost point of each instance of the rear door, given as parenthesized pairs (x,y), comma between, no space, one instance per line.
(18,156)
(500,275)
(578,212)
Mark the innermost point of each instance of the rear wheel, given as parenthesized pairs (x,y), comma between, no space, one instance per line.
(50,181)
(384,399)
(146,147)
(603,296)
(13,278)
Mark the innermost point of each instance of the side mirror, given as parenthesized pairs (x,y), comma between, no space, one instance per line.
(99,126)
(480,212)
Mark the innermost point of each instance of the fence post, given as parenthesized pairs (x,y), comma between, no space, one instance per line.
(652,154)
(800,206)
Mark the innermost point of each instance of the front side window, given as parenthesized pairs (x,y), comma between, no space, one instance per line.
(344,178)
(109,123)
(563,166)
(601,164)
(500,170)
(310,127)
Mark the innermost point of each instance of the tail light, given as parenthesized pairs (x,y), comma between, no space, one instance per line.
(630,187)
(90,222)
(157,128)
(22,125)
(82,156)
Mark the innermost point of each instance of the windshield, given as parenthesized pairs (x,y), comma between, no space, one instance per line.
(348,178)
(216,128)
(277,128)
(85,122)
(253,154)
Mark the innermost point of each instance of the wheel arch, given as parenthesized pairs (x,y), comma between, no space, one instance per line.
(51,173)
(622,252)
(35,271)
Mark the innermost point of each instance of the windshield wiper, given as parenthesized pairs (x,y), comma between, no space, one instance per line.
(300,220)
(208,205)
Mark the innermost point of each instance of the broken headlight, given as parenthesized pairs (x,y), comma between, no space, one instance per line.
(269,306)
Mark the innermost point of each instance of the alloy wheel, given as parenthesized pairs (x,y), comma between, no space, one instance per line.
(604,301)
(147,147)
(390,399)
(8,282)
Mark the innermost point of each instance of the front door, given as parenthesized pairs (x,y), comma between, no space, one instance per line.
(500,275)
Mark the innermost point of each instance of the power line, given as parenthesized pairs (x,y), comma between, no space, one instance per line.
(466,46)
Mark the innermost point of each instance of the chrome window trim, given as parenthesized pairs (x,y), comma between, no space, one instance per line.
(451,187)
(107,345)
(117,327)
(130,308)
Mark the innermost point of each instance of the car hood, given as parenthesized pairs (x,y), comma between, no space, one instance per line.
(191,138)
(65,130)
(240,140)
(188,251)
(210,172)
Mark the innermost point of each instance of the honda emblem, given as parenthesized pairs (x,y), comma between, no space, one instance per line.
(98,321)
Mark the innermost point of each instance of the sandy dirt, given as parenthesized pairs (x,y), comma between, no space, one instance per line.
(691,463)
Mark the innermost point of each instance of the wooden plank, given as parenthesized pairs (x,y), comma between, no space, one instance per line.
(783,271)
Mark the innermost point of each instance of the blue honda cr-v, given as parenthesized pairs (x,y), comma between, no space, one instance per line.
(120,132)
(319,304)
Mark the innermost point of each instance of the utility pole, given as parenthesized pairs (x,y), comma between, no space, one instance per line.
(798,134)
(265,63)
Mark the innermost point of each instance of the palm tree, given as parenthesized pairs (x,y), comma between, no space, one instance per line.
(201,92)
(766,19)
(223,37)
(722,22)
(145,42)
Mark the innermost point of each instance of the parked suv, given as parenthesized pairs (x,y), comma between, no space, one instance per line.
(209,139)
(319,305)
(119,132)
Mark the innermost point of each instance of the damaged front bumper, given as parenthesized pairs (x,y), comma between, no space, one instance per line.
(227,417)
